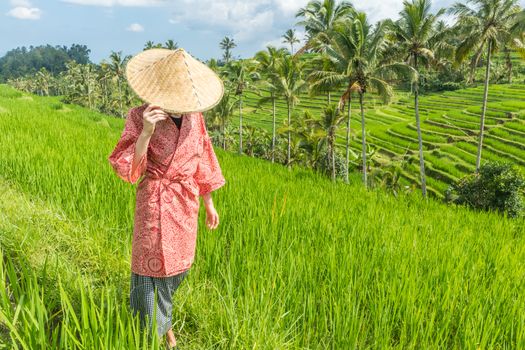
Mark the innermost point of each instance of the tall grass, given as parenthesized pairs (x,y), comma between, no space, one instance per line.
(32,321)
(297,262)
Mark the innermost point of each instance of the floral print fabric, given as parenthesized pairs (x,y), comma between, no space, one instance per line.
(179,166)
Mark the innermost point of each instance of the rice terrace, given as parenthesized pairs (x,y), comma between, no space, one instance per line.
(374,166)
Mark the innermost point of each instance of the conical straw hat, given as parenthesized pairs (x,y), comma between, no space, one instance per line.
(174,81)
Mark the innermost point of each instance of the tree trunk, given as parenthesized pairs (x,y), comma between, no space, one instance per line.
(509,64)
(240,125)
(120,96)
(106,95)
(348,137)
(363,137)
(88,87)
(273,131)
(419,136)
(473,65)
(223,134)
(484,108)
(332,150)
(289,133)
(329,97)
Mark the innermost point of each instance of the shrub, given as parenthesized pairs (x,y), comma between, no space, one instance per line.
(324,165)
(498,186)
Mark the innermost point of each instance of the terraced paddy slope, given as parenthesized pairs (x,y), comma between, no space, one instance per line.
(450,125)
(297,262)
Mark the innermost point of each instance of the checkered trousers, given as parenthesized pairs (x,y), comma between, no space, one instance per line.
(142,289)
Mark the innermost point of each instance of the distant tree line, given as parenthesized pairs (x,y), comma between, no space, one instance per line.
(22,61)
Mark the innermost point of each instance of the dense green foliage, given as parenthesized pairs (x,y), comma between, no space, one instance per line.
(23,61)
(497,186)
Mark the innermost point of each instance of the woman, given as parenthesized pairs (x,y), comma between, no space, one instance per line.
(165,144)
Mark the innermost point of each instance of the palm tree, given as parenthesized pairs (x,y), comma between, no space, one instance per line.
(319,19)
(241,74)
(414,32)
(212,63)
(519,44)
(320,62)
(313,137)
(488,26)
(149,45)
(331,118)
(290,84)
(117,68)
(103,77)
(170,44)
(227,44)
(348,103)
(290,38)
(357,52)
(267,63)
(44,79)
(515,41)
(89,76)
(222,113)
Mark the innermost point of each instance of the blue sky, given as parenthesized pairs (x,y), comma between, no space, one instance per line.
(126,25)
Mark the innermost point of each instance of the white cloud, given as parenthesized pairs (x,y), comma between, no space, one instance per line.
(243,20)
(110,3)
(135,27)
(290,7)
(23,10)
(262,20)
(380,9)
(248,28)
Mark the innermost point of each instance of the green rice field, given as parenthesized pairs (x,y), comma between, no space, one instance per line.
(449,123)
(297,262)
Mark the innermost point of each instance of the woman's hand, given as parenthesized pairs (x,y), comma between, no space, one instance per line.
(151,115)
(212,218)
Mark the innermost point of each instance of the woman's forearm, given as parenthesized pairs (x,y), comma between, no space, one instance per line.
(208,201)
(141,147)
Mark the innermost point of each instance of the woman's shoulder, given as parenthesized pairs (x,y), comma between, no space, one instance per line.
(198,117)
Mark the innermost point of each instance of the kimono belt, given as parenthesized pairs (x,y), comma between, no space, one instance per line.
(169,186)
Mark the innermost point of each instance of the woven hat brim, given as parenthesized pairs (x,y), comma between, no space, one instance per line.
(174,80)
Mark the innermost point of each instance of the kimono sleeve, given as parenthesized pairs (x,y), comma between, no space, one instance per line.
(209,175)
(121,159)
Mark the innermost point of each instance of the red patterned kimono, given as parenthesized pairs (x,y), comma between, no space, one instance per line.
(178,167)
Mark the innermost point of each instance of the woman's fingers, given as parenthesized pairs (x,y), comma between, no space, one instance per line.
(152,108)
(156,120)
(162,116)
(156,117)
(212,221)
(156,112)
(215,221)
